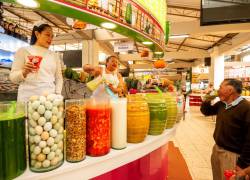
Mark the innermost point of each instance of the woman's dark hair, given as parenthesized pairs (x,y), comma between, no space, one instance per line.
(235,83)
(39,29)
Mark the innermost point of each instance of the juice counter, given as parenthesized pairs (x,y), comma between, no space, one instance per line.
(146,160)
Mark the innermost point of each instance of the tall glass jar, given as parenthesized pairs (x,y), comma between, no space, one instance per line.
(12,139)
(137,118)
(98,113)
(75,120)
(119,123)
(158,114)
(46,132)
(171,109)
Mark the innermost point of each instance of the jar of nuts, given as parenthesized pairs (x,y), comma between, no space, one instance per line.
(75,119)
(46,132)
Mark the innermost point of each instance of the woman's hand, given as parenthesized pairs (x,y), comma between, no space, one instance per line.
(114,90)
(28,68)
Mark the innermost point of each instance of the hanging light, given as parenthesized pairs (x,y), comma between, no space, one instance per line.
(28,3)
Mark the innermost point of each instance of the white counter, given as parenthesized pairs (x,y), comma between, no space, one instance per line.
(95,166)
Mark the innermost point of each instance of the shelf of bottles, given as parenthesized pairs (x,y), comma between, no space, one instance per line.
(126,12)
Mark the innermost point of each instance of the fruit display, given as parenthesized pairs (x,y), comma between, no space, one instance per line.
(12,140)
(98,114)
(119,123)
(158,113)
(137,119)
(75,126)
(171,109)
(46,132)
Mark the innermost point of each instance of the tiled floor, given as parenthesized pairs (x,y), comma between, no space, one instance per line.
(194,137)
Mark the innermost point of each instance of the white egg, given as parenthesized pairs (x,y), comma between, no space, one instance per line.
(41,121)
(47,126)
(30,110)
(51,97)
(39,130)
(61,136)
(48,105)
(31,139)
(42,99)
(50,141)
(54,110)
(41,109)
(32,147)
(60,109)
(56,102)
(33,162)
(58,152)
(53,133)
(37,150)
(45,135)
(60,156)
(54,147)
(32,131)
(46,163)
(61,121)
(57,126)
(60,145)
(57,139)
(35,104)
(53,119)
(59,114)
(33,98)
(42,144)
(48,114)
(51,155)
(32,123)
(35,116)
(41,157)
(46,150)
(38,165)
(33,156)
(60,131)
(54,161)
(37,139)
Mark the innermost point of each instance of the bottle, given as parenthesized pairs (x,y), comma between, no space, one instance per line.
(12,139)
(119,123)
(46,132)
(128,15)
(75,125)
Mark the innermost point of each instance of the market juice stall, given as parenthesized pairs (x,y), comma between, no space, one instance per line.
(131,19)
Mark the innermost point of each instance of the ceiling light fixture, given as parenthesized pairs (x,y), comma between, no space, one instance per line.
(28,3)
(147,43)
(178,36)
(108,25)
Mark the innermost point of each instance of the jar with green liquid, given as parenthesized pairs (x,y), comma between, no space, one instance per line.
(158,113)
(12,140)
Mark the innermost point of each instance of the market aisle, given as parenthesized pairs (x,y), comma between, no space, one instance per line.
(195,141)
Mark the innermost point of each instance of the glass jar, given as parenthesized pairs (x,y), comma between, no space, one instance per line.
(137,118)
(46,132)
(98,112)
(119,123)
(75,120)
(171,109)
(12,139)
(158,113)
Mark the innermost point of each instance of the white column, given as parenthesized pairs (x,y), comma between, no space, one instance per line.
(216,71)
(90,52)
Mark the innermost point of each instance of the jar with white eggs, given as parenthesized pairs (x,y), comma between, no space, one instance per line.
(46,132)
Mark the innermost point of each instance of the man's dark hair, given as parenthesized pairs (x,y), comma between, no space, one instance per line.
(237,84)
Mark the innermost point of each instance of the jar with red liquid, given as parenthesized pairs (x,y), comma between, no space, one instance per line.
(98,112)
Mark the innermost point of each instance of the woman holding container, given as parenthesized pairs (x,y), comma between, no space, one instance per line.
(36,68)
